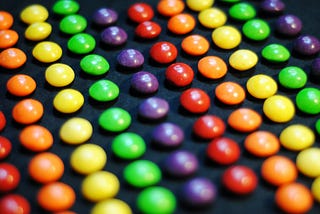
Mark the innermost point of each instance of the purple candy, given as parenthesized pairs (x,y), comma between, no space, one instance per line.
(315,70)
(168,135)
(105,16)
(153,108)
(198,192)
(289,25)
(130,58)
(272,6)
(181,163)
(144,82)
(306,45)
(114,36)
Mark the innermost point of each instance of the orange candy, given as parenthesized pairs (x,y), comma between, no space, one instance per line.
(12,58)
(212,67)
(56,197)
(36,138)
(230,93)
(195,45)
(21,85)
(181,24)
(294,198)
(278,170)
(27,111)
(65,212)
(46,167)
(170,7)
(8,38)
(245,120)
(6,20)
(262,143)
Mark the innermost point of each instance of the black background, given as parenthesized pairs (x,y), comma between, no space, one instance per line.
(262,200)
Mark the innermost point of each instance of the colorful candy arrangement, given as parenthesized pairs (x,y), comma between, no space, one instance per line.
(163,106)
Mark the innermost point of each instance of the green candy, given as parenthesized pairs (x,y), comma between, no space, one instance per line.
(73,24)
(94,64)
(156,200)
(65,7)
(115,119)
(142,173)
(275,53)
(318,126)
(308,100)
(230,1)
(128,146)
(81,43)
(292,77)
(104,90)
(242,11)
(256,29)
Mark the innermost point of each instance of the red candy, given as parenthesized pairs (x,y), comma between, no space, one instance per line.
(3,121)
(5,147)
(148,30)
(179,74)
(195,100)
(223,151)
(209,126)
(140,12)
(14,204)
(163,52)
(9,177)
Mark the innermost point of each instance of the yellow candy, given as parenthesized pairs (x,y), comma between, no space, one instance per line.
(315,189)
(76,130)
(297,137)
(34,13)
(212,17)
(226,37)
(59,75)
(261,86)
(243,59)
(279,108)
(99,186)
(308,162)
(47,52)
(38,31)
(197,5)
(111,205)
(68,101)
(88,158)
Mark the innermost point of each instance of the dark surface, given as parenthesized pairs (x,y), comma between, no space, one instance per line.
(262,200)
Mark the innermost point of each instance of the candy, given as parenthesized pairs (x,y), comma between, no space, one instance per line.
(27,111)
(153,108)
(212,17)
(223,150)
(34,13)
(114,36)
(245,120)
(105,16)
(81,43)
(289,25)
(195,100)
(209,126)
(275,53)
(115,119)
(179,74)
(317,126)
(292,77)
(272,6)
(279,108)
(261,86)
(199,5)
(148,30)
(104,90)
(144,82)
(5,147)
(73,24)
(65,7)
(94,64)
(3,121)
(21,85)
(111,205)
(256,29)
(212,67)
(306,45)
(262,143)
(38,31)
(14,203)
(308,162)
(130,58)
(12,58)
(242,11)
(315,187)
(6,20)
(163,52)
(167,135)
(308,100)
(8,38)
(68,100)
(140,12)
(47,52)
(10,177)
(59,75)
(315,70)
(195,45)
(36,138)
(226,37)
(243,59)
(182,23)
(230,93)
(170,7)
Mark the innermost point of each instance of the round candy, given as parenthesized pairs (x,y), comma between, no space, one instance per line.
(195,100)
(34,13)
(256,29)
(308,162)
(275,53)
(279,108)
(14,203)
(9,177)
(242,11)
(59,75)
(243,59)
(46,167)
(6,20)
(179,74)
(308,100)
(36,138)
(99,186)
(3,121)
(195,45)
(104,90)
(297,137)
(12,58)
(306,45)
(182,23)
(318,126)
(114,36)
(68,100)
(81,43)
(128,145)
(245,120)
(289,25)
(65,7)
(272,6)
(130,58)
(27,111)
(115,119)
(153,108)
(262,143)
(56,196)
(156,198)
(226,37)
(140,12)
(105,16)
(111,205)
(294,198)
(76,130)
(5,147)
(209,127)
(212,67)
(170,7)
(292,77)
(180,163)
(223,150)
(163,52)
(148,30)
(261,86)
(38,31)
(21,85)
(88,158)
(212,17)
(47,52)
(199,5)
(167,135)
(8,38)
(94,64)
(144,82)
(230,93)
(315,187)
(315,70)
(73,24)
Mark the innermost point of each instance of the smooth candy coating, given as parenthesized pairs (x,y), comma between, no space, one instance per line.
(195,45)
(315,187)
(261,86)
(212,17)
(21,85)
(6,20)
(245,120)
(226,37)
(10,177)
(34,13)
(275,53)
(115,119)
(12,58)
(36,138)
(243,59)
(182,23)
(73,24)
(144,82)
(223,150)
(47,52)
(306,45)
(148,30)
(104,90)
(140,12)
(8,38)
(94,64)
(289,25)
(262,143)
(12,203)
(308,162)
(179,74)
(212,67)
(130,58)
(230,93)
(167,135)
(209,126)
(81,43)
(195,100)
(196,5)
(114,36)
(27,111)
(68,100)
(163,52)
(308,100)
(65,7)
(76,130)
(242,11)
(292,77)
(170,7)
(153,108)
(272,6)
(5,147)
(105,16)
(317,126)
(111,205)
(59,75)
(38,31)
(256,29)
(3,121)
(279,108)
(315,71)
